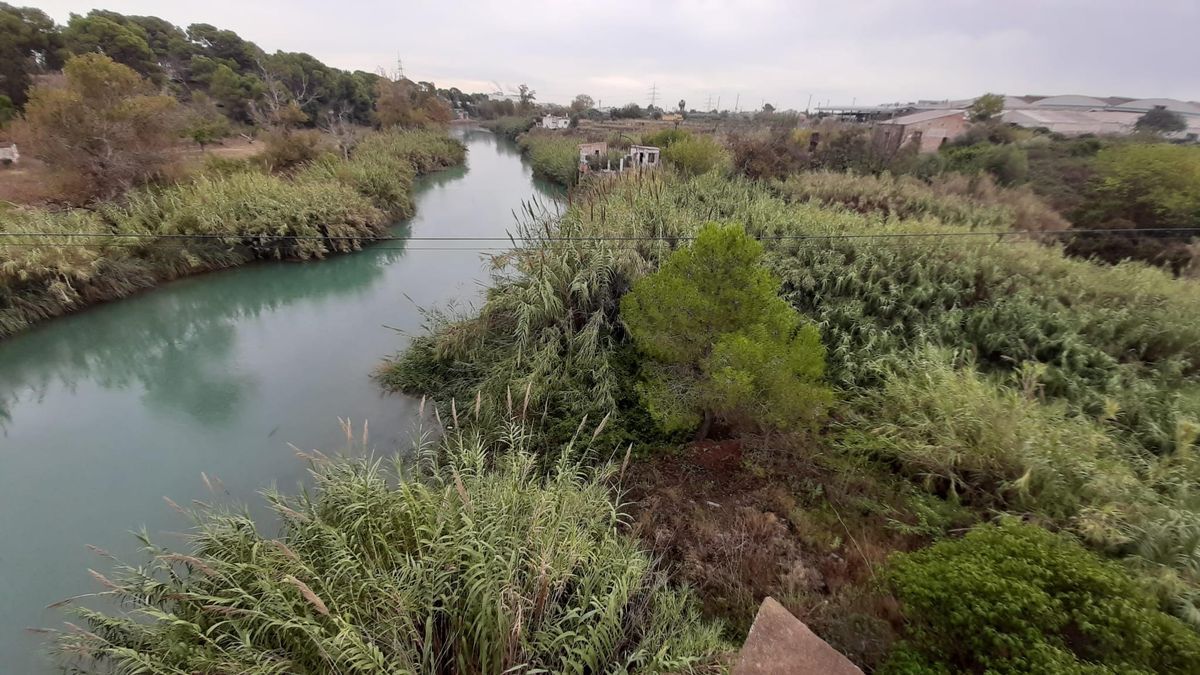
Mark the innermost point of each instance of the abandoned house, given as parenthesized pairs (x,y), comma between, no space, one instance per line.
(646,156)
(929,130)
(593,156)
(555,122)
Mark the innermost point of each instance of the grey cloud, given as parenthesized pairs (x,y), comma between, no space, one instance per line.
(778,51)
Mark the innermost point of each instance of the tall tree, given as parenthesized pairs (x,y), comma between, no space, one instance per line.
(582,103)
(29,44)
(721,343)
(1161,121)
(526,96)
(126,43)
(987,107)
(106,127)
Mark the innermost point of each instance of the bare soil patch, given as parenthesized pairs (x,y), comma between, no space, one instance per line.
(741,519)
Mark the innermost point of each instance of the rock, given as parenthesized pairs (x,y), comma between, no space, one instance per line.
(780,644)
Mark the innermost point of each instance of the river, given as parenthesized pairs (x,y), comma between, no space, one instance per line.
(105,412)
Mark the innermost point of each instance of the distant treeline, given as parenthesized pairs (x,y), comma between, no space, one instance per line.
(237,75)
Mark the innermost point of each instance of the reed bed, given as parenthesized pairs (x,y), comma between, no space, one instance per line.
(1072,394)
(469,561)
(236,215)
(553,156)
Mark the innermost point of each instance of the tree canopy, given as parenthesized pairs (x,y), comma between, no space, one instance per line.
(1160,121)
(1153,185)
(106,127)
(987,107)
(721,344)
(29,43)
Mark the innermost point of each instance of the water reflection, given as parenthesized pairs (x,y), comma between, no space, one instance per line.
(176,345)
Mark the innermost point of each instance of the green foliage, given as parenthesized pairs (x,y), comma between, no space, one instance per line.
(554,157)
(29,43)
(1008,163)
(722,343)
(987,107)
(988,444)
(474,561)
(8,111)
(122,42)
(1161,121)
(1014,598)
(972,201)
(1153,185)
(665,138)
(629,111)
(696,155)
(336,205)
(205,124)
(512,125)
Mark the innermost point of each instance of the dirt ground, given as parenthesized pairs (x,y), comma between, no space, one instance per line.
(743,519)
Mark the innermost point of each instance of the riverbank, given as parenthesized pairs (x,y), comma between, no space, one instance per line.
(978,382)
(105,411)
(56,262)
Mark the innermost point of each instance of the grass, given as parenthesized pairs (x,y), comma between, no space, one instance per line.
(996,375)
(471,561)
(329,206)
(554,157)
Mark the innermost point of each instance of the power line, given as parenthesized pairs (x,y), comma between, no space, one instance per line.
(653,94)
(1178,231)
(368,238)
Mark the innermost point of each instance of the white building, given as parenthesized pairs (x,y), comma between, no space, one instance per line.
(9,154)
(555,122)
(644,156)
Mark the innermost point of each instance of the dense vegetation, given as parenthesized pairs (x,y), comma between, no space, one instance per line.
(213,220)
(1015,598)
(553,157)
(472,561)
(995,374)
(203,64)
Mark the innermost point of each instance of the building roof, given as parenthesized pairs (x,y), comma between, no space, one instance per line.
(1174,105)
(1074,121)
(1070,101)
(926,116)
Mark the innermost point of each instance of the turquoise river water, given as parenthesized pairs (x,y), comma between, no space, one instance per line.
(105,412)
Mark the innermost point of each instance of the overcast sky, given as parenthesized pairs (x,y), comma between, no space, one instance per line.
(780,51)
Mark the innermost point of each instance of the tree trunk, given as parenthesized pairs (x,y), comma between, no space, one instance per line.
(702,432)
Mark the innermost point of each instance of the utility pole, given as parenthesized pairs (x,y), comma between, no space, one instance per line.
(708,106)
(808,106)
(653,94)
(718,103)
(737,102)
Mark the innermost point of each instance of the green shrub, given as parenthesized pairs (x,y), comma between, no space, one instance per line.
(1014,598)
(476,562)
(511,125)
(284,149)
(696,155)
(1008,164)
(666,137)
(1152,185)
(554,157)
(989,444)
(971,201)
(257,211)
(722,343)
